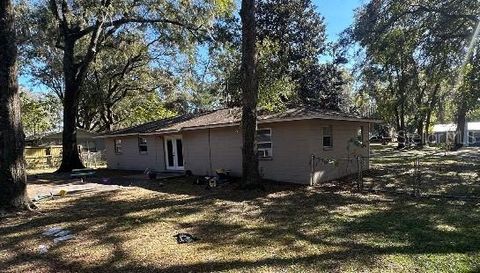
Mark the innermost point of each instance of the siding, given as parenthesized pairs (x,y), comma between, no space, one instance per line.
(131,159)
(293,144)
(196,154)
(225,150)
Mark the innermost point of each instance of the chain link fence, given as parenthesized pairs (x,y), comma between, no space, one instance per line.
(94,159)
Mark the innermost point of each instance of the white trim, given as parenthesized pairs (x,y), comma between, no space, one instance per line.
(331,137)
(115,146)
(175,166)
(263,142)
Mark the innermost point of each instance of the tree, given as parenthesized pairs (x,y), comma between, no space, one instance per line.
(290,42)
(298,31)
(40,113)
(13,178)
(79,30)
(410,51)
(250,174)
(121,81)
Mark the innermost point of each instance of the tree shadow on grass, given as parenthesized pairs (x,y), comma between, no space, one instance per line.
(172,185)
(447,176)
(305,228)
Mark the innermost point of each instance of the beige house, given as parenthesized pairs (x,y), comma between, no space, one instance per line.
(299,145)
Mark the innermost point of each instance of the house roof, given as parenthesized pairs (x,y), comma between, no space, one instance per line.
(231,117)
(81,133)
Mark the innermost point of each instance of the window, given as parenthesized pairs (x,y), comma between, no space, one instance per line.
(327,137)
(117,146)
(360,134)
(264,143)
(142,145)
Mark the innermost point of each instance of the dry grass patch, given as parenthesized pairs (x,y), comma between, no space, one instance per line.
(286,229)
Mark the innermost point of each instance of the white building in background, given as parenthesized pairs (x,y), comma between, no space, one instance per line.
(443,133)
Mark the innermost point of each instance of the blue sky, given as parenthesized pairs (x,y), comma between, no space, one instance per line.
(338,15)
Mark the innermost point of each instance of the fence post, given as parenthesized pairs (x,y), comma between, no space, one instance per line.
(416,173)
(312,169)
(360,174)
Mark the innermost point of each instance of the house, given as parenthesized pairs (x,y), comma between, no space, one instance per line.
(205,142)
(85,139)
(446,133)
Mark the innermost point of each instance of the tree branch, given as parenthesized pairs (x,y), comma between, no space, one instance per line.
(123,21)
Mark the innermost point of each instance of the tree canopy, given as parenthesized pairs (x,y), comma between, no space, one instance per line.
(415,59)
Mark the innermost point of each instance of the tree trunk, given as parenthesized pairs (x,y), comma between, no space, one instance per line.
(250,94)
(461,120)
(420,131)
(70,155)
(13,178)
(433,103)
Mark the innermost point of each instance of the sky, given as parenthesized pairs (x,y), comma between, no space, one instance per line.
(338,16)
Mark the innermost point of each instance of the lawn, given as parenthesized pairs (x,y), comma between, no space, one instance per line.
(440,173)
(285,229)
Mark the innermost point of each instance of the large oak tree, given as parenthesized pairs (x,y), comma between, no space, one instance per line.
(249,94)
(78,30)
(414,56)
(13,179)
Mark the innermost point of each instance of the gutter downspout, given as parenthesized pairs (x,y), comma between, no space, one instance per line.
(209,153)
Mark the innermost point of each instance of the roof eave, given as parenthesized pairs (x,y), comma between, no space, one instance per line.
(231,124)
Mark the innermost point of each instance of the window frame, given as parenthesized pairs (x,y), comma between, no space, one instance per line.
(117,146)
(327,147)
(360,134)
(269,150)
(140,144)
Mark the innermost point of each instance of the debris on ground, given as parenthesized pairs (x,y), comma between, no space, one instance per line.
(39,198)
(62,233)
(59,234)
(63,238)
(185,238)
(222,177)
(52,231)
(50,196)
(42,249)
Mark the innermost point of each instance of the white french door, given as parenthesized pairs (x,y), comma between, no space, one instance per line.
(174,153)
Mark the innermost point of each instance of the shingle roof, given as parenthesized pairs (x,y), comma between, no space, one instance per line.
(232,116)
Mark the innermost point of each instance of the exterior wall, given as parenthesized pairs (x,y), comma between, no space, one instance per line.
(293,143)
(196,152)
(211,149)
(130,157)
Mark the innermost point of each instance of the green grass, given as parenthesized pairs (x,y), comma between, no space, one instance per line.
(286,229)
(440,173)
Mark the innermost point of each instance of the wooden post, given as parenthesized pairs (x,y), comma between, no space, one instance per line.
(416,173)
(312,169)
(360,173)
